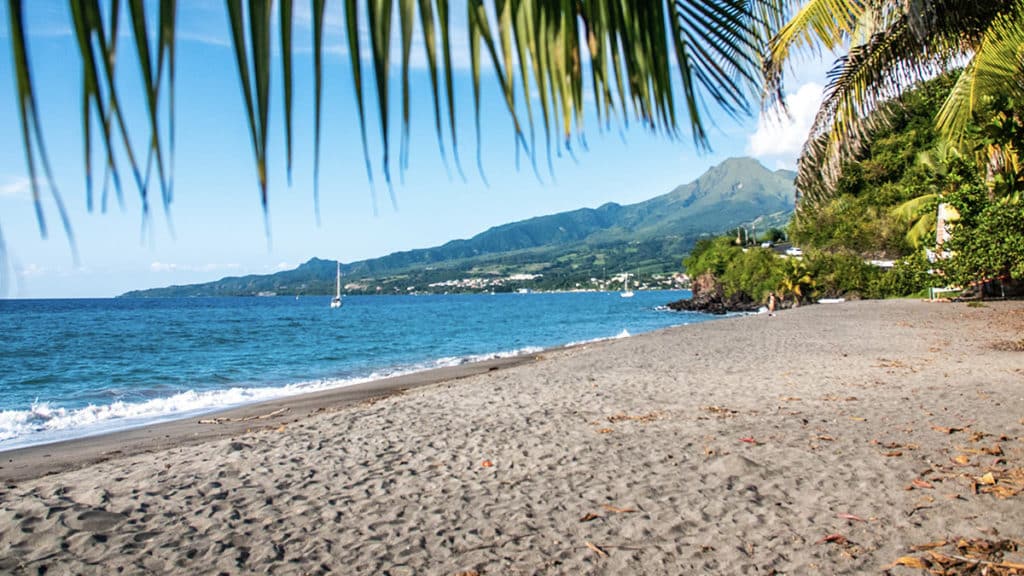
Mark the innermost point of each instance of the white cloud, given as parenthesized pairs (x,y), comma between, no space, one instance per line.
(779,139)
(19,187)
(210,39)
(31,271)
(157,266)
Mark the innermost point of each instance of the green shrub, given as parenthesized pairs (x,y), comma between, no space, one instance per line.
(841,274)
(909,276)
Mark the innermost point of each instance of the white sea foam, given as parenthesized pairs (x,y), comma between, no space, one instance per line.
(45,422)
(460,360)
(624,334)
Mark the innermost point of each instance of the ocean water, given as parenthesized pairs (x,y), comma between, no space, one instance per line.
(71,368)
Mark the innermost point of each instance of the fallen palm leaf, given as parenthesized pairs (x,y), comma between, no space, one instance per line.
(994,450)
(919,483)
(833,539)
(911,562)
(893,454)
(597,549)
(977,436)
(642,418)
(929,545)
(845,516)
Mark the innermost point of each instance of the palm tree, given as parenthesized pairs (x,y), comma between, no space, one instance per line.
(890,45)
(796,281)
(640,60)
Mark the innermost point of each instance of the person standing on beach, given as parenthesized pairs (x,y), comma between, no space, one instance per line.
(771,304)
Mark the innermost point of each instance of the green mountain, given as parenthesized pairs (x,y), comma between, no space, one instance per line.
(565,250)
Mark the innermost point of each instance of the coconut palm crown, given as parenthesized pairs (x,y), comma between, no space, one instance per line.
(888,46)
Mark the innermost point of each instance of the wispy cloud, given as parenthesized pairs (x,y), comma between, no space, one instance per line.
(210,39)
(157,266)
(779,139)
(31,271)
(19,187)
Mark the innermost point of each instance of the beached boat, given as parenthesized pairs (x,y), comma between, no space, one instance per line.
(336,301)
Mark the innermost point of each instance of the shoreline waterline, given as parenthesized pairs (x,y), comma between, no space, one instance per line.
(78,368)
(185,429)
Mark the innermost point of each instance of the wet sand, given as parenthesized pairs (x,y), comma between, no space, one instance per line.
(828,439)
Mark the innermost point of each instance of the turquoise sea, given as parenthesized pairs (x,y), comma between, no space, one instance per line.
(71,368)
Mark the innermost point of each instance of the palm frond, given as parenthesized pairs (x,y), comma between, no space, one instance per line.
(255,88)
(898,44)
(286,68)
(997,67)
(318,80)
(869,76)
(912,208)
(31,133)
(818,24)
(649,61)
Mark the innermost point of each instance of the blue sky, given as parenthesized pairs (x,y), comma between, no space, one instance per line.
(217,218)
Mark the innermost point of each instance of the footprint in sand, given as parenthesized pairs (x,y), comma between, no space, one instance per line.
(95,521)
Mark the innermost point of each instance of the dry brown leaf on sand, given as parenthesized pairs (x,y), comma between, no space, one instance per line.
(833,539)
(846,516)
(929,545)
(597,549)
(589,516)
(923,484)
(910,562)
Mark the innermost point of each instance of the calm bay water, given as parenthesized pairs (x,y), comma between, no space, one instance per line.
(70,368)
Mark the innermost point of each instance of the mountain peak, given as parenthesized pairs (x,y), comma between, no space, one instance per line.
(736,191)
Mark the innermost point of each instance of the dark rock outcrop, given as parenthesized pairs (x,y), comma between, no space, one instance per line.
(709,298)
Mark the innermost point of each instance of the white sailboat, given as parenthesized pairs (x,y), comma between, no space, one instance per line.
(626,292)
(336,301)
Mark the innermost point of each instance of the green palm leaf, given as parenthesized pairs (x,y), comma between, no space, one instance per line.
(997,67)
(634,54)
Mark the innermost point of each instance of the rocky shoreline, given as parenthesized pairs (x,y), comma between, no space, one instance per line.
(709,298)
